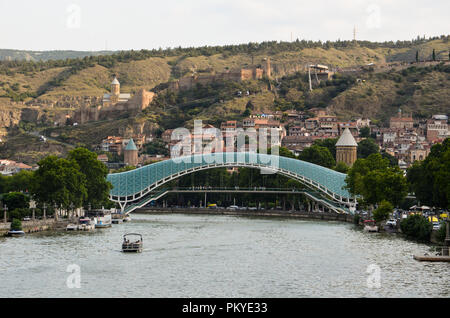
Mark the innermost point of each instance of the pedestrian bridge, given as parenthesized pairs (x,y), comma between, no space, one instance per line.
(137,188)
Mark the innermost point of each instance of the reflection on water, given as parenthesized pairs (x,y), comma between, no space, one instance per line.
(219,256)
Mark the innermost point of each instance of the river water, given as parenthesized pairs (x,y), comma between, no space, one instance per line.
(220,256)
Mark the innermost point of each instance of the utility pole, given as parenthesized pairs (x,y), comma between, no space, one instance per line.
(5,209)
(446,250)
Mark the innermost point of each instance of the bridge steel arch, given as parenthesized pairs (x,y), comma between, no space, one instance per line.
(133,186)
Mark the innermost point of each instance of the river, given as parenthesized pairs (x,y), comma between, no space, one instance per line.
(220,256)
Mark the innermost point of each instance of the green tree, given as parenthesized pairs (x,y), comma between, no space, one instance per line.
(383,211)
(417,56)
(442,232)
(4,184)
(283,152)
(341,167)
(16,200)
(392,160)
(416,227)
(367,147)
(376,180)
(59,181)
(430,179)
(16,225)
(434,55)
(95,173)
(156,147)
(318,155)
(364,132)
(21,181)
(329,143)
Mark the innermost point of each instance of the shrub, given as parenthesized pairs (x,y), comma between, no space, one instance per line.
(383,211)
(16,225)
(441,233)
(19,214)
(417,227)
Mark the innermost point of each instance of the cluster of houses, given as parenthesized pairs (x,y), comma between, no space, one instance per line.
(406,139)
(291,129)
(410,140)
(10,167)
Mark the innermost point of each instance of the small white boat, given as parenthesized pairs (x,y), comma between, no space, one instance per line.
(86,225)
(132,246)
(14,233)
(370,226)
(127,219)
(72,227)
(103,220)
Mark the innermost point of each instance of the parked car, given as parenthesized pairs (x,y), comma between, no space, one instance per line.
(392,223)
(436,226)
(233,208)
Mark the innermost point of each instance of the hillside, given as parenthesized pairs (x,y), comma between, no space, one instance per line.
(147,69)
(423,92)
(11,55)
(35,95)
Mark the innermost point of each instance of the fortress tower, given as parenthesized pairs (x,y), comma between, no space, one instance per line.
(115,97)
(115,91)
(346,148)
(131,154)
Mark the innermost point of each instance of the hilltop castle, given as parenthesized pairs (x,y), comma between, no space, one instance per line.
(113,104)
(120,101)
(236,75)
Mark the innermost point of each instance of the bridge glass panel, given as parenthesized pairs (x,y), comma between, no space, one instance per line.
(133,182)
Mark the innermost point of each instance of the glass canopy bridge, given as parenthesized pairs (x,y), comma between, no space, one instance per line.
(137,188)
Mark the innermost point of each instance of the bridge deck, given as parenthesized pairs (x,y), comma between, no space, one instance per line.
(134,185)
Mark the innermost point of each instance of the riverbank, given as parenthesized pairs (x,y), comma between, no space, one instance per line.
(252,213)
(36,226)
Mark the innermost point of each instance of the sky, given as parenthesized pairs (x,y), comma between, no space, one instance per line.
(88,25)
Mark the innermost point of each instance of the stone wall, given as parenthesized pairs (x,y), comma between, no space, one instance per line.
(30,226)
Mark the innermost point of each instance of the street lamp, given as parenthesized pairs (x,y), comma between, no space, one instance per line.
(55,207)
(44,216)
(5,210)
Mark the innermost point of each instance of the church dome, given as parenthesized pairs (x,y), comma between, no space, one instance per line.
(131,146)
(115,81)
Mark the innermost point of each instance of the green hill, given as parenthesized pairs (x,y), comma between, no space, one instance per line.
(377,94)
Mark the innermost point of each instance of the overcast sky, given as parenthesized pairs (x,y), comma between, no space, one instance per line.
(146,24)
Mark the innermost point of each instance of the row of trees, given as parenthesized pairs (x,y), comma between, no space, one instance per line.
(430,179)
(73,182)
(381,183)
(249,48)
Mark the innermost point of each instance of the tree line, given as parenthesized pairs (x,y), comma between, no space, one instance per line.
(69,183)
